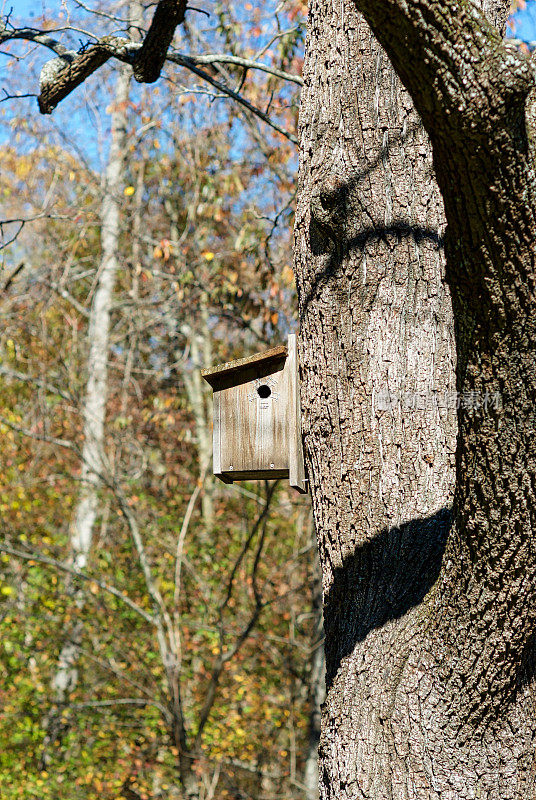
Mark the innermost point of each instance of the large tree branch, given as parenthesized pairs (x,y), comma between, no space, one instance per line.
(450,57)
(471,90)
(61,75)
(152,55)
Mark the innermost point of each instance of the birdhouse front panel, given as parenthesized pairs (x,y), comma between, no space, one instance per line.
(257,426)
(254,425)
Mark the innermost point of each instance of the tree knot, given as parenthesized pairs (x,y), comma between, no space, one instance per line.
(329,205)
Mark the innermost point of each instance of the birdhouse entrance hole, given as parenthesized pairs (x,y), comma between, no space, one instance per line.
(264,391)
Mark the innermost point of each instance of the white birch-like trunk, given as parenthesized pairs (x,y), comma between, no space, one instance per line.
(198,396)
(94,408)
(316,690)
(94,401)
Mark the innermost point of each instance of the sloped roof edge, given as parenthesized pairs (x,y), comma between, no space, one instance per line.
(214,374)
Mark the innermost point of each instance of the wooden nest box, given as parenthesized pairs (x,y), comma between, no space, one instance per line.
(257,420)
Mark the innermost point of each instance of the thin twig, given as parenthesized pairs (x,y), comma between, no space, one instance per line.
(247,63)
(52,562)
(190,65)
(21,376)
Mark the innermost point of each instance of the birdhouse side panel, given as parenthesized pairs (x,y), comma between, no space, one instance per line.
(254,425)
(217,437)
(296,462)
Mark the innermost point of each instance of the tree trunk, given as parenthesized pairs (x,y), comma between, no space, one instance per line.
(413,663)
(94,401)
(198,391)
(316,689)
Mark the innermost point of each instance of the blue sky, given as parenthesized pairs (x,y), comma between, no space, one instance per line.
(526,22)
(26,9)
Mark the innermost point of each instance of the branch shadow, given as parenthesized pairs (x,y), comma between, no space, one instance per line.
(334,201)
(381,581)
(340,246)
(392,573)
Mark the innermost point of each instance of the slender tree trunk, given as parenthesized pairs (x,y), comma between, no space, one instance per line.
(201,356)
(94,401)
(199,396)
(316,690)
(429,637)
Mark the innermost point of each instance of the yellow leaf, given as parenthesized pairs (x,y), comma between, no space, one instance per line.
(129,191)
(207,255)
(7,591)
(288,275)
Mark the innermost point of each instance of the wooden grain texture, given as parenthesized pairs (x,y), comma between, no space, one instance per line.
(257,435)
(216,457)
(256,428)
(296,462)
(215,375)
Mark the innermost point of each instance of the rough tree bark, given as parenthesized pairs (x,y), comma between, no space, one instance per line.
(429,634)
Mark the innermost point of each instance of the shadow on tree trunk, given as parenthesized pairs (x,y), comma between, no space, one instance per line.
(329,237)
(381,581)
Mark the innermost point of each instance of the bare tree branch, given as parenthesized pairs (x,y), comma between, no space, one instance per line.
(186,61)
(247,63)
(22,376)
(9,280)
(152,55)
(21,222)
(62,75)
(40,437)
(52,562)
(34,35)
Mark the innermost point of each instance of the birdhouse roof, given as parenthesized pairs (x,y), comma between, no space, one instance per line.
(214,375)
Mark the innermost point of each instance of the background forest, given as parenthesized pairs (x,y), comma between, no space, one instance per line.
(160,633)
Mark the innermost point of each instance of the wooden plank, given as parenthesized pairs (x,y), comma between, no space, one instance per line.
(296,461)
(252,475)
(256,427)
(216,438)
(214,375)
